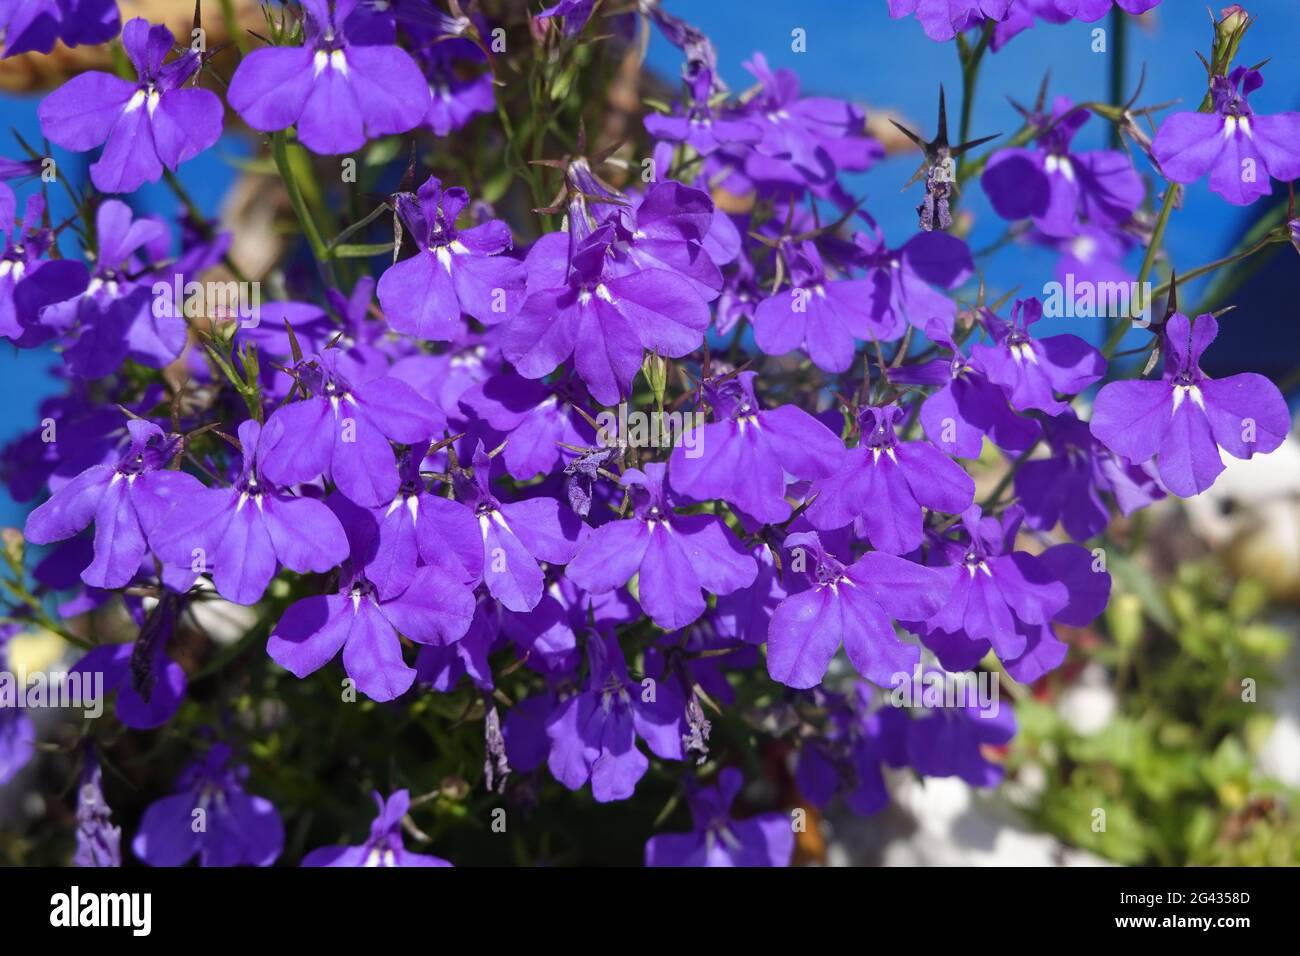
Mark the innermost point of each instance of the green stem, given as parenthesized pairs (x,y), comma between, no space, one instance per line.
(232,25)
(1119,56)
(1148,262)
(280,152)
(970,65)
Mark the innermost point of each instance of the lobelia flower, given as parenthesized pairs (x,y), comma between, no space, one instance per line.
(1187,421)
(237,828)
(860,738)
(675,555)
(517,535)
(593,733)
(240,533)
(574,13)
(416,528)
(948,741)
(384,847)
(967,406)
(35,26)
(852,605)
(453,271)
(150,685)
(434,608)
(1022,14)
(886,484)
(1239,149)
(900,282)
(151,124)
(819,315)
(99,843)
(342,430)
(702,128)
(338,93)
(806,140)
(747,452)
(28,281)
(127,502)
(990,590)
(719,840)
(944,19)
(1034,370)
(666,227)
(114,318)
(1060,189)
(440,667)
(1088,591)
(603,319)
(538,418)
(1068,486)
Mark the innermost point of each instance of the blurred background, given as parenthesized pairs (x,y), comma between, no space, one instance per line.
(1147,718)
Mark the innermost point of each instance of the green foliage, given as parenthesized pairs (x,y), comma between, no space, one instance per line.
(1174,769)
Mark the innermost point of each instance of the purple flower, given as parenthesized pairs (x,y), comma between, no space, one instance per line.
(434,608)
(1067,487)
(667,228)
(127,502)
(593,734)
(849,605)
(1034,370)
(899,282)
(746,453)
(114,318)
(516,536)
(537,417)
(454,99)
(602,318)
(151,686)
(213,816)
(944,19)
(574,13)
(150,124)
(806,140)
(719,840)
(886,484)
(453,271)
(820,315)
(990,590)
(339,93)
(950,741)
(384,846)
(967,406)
(1239,149)
(703,129)
(342,431)
(1187,420)
(675,555)
(34,26)
(859,740)
(239,533)
(28,281)
(99,843)
(1062,190)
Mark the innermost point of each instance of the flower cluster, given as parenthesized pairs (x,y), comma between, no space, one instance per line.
(423,490)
